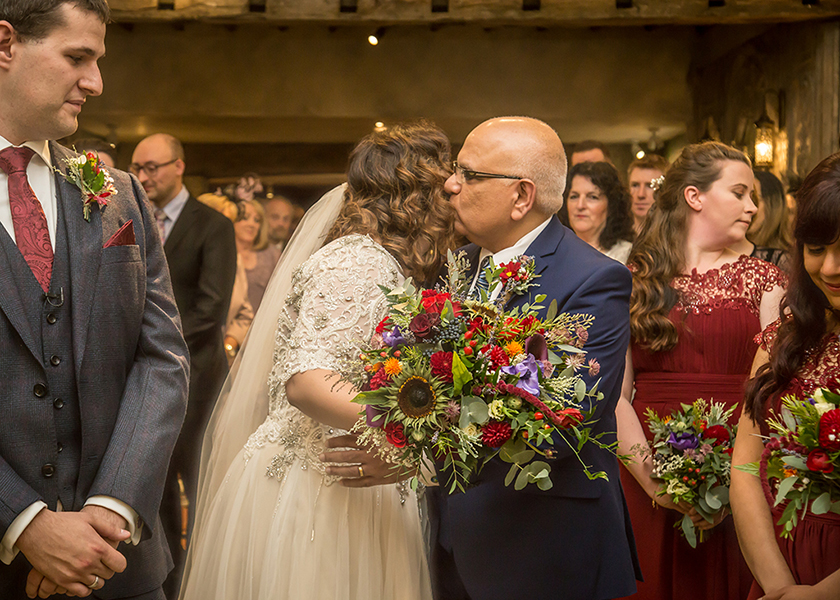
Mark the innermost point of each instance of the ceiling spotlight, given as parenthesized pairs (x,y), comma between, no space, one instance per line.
(373,39)
(637,150)
(379,126)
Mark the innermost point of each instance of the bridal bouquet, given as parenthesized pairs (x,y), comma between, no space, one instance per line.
(458,381)
(801,459)
(692,455)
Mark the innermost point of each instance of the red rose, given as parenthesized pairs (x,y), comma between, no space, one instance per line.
(386,322)
(496,433)
(396,435)
(441,363)
(830,430)
(569,417)
(718,433)
(379,379)
(423,324)
(819,461)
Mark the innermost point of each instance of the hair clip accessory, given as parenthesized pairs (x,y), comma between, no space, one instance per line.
(657,183)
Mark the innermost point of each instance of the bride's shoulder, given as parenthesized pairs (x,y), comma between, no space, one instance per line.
(350,250)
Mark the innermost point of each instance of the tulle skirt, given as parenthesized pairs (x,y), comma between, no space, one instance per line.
(297,537)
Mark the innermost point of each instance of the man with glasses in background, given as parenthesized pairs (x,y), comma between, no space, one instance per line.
(201,252)
(506,187)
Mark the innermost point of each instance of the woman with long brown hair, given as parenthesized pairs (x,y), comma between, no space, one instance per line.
(799,354)
(271,523)
(695,308)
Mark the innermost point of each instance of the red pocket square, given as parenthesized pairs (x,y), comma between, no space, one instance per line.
(123,237)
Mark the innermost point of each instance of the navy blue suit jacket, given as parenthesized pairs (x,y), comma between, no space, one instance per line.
(575,540)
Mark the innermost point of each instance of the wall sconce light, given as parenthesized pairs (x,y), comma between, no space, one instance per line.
(765,137)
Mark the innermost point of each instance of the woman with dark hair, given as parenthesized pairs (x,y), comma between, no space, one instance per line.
(768,237)
(597,208)
(695,309)
(799,354)
(271,523)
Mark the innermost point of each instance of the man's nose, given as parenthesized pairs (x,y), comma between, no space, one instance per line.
(91,83)
(451,185)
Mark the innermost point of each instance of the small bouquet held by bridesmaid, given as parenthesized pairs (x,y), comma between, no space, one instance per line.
(800,464)
(458,380)
(692,455)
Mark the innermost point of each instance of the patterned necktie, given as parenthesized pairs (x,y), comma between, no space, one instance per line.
(481,282)
(161,217)
(31,233)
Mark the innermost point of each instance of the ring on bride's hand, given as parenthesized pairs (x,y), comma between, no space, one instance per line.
(361,471)
(95,582)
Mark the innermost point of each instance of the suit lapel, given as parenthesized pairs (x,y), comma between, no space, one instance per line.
(12,304)
(542,249)
(84,239)
(182,226)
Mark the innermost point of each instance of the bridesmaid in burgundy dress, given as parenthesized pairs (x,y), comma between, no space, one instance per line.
(799,354)
(694,313)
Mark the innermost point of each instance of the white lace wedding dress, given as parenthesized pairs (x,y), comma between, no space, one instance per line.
(278,527)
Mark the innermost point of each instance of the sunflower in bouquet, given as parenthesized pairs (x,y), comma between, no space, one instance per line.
(692,456)
(800,465)
(458,380)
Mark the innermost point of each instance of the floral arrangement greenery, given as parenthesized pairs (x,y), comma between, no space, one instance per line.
(692,455)
(458,381)
(799,465)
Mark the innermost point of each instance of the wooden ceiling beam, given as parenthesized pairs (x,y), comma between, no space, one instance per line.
(489,12)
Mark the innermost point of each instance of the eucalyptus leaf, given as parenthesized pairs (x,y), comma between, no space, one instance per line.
(821,505)
(688,530)
(552,310)
(784,487)
(796,462)
(580,390)
(516,452)
(713,501)
(521,480)
(511,474)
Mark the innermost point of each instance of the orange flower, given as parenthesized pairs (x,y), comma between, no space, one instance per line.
(514,348)
(790,472)
(393,367)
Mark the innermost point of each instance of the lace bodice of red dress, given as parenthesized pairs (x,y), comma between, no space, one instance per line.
(717,317)
(820,369)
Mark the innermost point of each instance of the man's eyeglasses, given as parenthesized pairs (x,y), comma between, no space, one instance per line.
(463,174)
(150,168)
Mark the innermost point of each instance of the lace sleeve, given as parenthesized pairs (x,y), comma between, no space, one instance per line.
(766,338)
(335,300)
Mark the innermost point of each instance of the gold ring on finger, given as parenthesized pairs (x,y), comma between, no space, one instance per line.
(95,582)
(361,471)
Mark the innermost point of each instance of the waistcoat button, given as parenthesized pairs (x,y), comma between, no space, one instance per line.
(51,319)
(40,390)
(48,470)
(55,360)
(58,403)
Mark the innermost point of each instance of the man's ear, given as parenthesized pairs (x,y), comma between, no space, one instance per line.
(526,194)
(692,198)
(180,166)
(8,39)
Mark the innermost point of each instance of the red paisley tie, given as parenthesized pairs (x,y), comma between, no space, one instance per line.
(31,233)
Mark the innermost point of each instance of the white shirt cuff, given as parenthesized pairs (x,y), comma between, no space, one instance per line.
(135,523)
(8,550)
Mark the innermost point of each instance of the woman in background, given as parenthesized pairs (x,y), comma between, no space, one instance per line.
(257,255)
(597,208)
(768,237)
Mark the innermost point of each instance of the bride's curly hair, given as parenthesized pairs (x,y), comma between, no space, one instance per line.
(659,252)
(395,194)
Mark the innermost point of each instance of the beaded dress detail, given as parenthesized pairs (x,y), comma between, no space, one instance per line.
(283,528)
(717,318)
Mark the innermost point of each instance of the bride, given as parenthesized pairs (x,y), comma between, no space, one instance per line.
(270,523)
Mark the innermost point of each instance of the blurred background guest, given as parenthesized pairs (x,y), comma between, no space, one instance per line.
(106,152)
(590,151)
(695,310)
(201,253)
(640,174)
(257,255)
(296,217)
(240,313)
(799,354)
(769,235)
(597,208)
(280,213)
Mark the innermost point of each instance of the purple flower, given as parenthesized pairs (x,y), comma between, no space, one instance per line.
(374,417)
(683,441)
(393,338)
(528,373)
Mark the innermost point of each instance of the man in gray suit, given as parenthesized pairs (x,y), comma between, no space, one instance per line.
(93,367)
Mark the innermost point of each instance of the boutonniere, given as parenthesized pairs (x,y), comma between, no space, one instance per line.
(89,174)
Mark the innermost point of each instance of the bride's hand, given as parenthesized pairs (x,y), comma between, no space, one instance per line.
(358,467)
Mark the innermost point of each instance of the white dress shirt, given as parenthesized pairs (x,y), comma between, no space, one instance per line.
(173,209)
(508,254)
(42,180)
